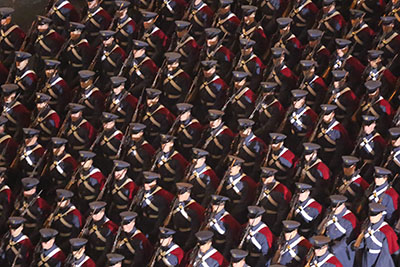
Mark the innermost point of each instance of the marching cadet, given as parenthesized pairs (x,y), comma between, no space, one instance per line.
(112,58)
(212,90)
(370,146)
(171,11)
(251,64)
(301,121)
(47,42)
(313,84)
(62,13)
(259,238)
(315,50)
(207,255)
(79,132)
(125,27)
(62,164)
(304,14)
(360,34)
(351,184)
(17,114)
(158,119)
(202,177)
(91,97)
(155,37)
(187,217)
(282,75)
(189,130)
(392,161)
(18,245)
(250,148)
(294,247)
(133,244)
(217,139)
(170,253)
(31,154)
(110,141)
(68,220)
(332,137)
(56,87)
(77,55)
(120,102)
(25,76)
(243,100)
(154,206)
(307,211)
(90,181)
(175,81)
(101,232)
(123,190)
(342,96)
(79,257)
(96,20)
(115,260)
(322,256)
(376,71)
(36,212)
(274,198)
(8,145)
(315,172)
(140,153)
(12,37)
(240,188)
(169,163)
(379,241)
(251,30)
(143,69)
(238,258)
(46,120)
(201,17)
(373,11)
(340,228)
(187,46)
(270,113)
(227,21)
(332,24)
(281,158)
(287,40)
(215,50)
(5,199)
(223,225)
(48,254)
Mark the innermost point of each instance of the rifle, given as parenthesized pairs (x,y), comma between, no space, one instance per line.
(265,160)
(103,190)
(15,162)
(74,178)
(136,113)
(258,106)
(25,210)
(136,199)
(49,220)
(283,123)
(309,257)
(126,63)
(16,257)
(114,247)
(360,237)
(321,229)
(97,140)
(169,217)
(154,257)
(292,206)
(225,178)
(359,140)
(45,156)
(124,141)
(356,113)
(11,71)
(63,47)
(314,133)
(96,57)
(277,255)
(63,126)
(246,233)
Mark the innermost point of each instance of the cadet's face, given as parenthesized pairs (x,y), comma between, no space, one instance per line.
(309,157)
(396,142)
(205,247)
(238,264)
(137,136)
(304,195)
(240,84)
(120,174)
(30,192)
(167,146)
(48,244)
(108,125)
(328,118)
(108,42)
(76,116)
(235,169)
(148,186)
(165,241)
(41,105)
(22,64)
(375,218)
(98,216)
(200,162)
(92,4)
(183,197)
(172,66)
(138,53)
(63,204)
(85,83)
(321,251)
(374,63)
(349,170)
(78,253)
(212,41)
(118,90)
(341,52)
(290,235)
(369,128)
(122,13)
(215,123)
(249,19)
(129,226)
(147,24)
(380,181)
(49,72)
(387,28)
(209,73)
(298,103)
(42,28)
(276,146)
(17,231)
(87,164)
(152,101)
(75,34)
(185,116)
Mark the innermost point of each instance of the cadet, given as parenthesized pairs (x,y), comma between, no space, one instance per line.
(294,247)
(68,220)
(125,27)
(238,258)
(170,163)
(322,256)
(170,253)
(307,211)
(123,190)
(224,226)
(315,50)
(259,238)
(114,260)
(154,205)
(62,13)
(389,42)
(25,77)
(96,19)
(304,14)
(5,199)
(31,154)
(332,24)
(201,17)
(78,249)
(275,198)
(187,217)
(140,153)
(90,181)
(133,244)
(48,254)
(207,255)
(101,232)
(240,188)
(120,102)
(203,178)
(158,119)
(12,37)
(18,244)
(227,21)
(8,145)
(189,130)
(392,162)
(170,12)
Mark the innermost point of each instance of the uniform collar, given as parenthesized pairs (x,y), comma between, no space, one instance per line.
(17,237)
